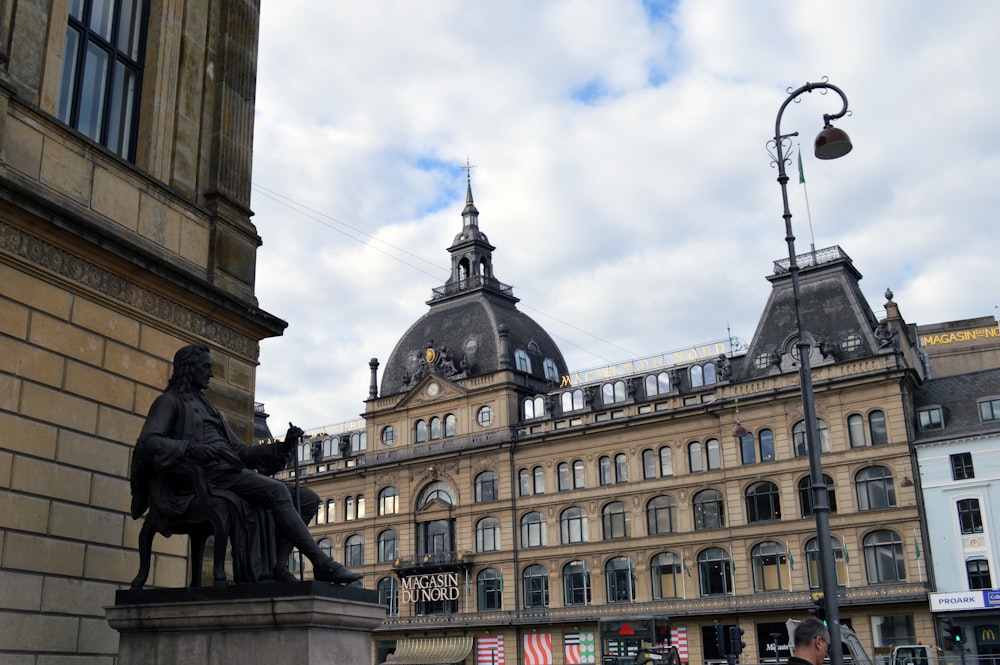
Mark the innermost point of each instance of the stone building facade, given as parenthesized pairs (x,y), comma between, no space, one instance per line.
(506,507)
(125,157)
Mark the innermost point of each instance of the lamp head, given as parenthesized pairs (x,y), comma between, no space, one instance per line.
(832,143)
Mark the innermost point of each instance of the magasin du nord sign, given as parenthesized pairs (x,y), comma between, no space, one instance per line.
(429,588)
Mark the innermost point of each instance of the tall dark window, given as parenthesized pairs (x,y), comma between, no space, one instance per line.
(748,452)
(660,513)
(536,586)
(884,557)
(573,526)
(615,521)
(969,517)
(715,572)
(604,470)
(806,495)
(765,438)
(562,473)
(763,502)
(961,466)
(578,475)
(488,535)
(666,573)
(621,468)
(524,482)
(102,71)
(354,551)
(989,409)
(388,546)
(768,561)
(619,575)
(875,488)
(709,510)
(648,464)
(978,571)
(877,429)
(539,476)
(489,587)
(388,595)
(576,583)
(486,486)
(532,530)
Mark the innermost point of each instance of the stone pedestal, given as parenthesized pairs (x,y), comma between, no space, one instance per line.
(305,623)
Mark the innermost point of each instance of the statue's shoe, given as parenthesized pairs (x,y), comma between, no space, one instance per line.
(331,571)
(282,575)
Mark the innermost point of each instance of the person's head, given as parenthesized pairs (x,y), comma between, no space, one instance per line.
(192,368)
(812,635)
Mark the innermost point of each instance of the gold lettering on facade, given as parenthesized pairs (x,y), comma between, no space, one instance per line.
(961,336)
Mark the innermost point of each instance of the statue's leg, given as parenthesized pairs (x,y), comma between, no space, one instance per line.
(146,535)
(197,556)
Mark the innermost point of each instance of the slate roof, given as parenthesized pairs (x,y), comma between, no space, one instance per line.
(959,397)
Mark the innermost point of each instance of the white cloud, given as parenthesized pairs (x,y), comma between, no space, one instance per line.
(621,169)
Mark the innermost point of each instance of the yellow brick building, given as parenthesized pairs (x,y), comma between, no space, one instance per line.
(125,157)
(499,501)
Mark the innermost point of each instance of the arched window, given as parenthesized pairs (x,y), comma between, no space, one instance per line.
(856,430)
(573,526)
(536,586)
(449,424)
(709,510)
(619,575)
(877,429)
(665,571)
(697,376)
(562,473)
(884,557)
(612,393)
(814,568)
(763,502)
(486,486)
(621,468)
(435,538)
(648,464)
(388,546)
(657,384)
(354,551)
(539,474)
(438,491)
(528,408)
(435,428)
(388,501)
(331,511)
(768,561)
(572,400)
(359,442)
(748,450)
(388,435)
(524,482)
(666,461)
(488,535)
(615,521)
(806,495)
(660,515)
(326,546)
(420,431)
(710,374)
(696,459)
(604,470)
(521,361)
(579,481)
(875,488)
(321,513)
(799,437)
(305,452)
(360,499)
(715,572)
(388,595)
(350,512)
(330,447)
(714,454)
(489,586)
(765,439)
(576,583)
(550,369)
(533,530)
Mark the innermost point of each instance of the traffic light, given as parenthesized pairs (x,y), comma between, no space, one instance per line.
(720,639)
(957,632)
(819,609)
(736,643)
(953,635)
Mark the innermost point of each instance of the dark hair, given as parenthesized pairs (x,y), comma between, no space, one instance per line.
(185,361)
(808,630)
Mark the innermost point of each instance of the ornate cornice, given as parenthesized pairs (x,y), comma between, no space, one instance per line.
(42,254)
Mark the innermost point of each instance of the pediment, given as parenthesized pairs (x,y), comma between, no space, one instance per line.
(431,389)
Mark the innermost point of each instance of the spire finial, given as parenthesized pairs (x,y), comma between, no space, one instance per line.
(468,171)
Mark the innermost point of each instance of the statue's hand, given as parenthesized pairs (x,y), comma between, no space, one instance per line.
(203,454)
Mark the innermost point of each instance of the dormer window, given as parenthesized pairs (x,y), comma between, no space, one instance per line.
(521,361)
(931,418)
(989,409)
(551,371)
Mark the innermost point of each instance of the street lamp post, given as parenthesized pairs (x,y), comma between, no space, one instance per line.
(830,144)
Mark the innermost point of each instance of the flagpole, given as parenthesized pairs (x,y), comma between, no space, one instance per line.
(805,190)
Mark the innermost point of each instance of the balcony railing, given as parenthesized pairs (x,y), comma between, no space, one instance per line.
(470,283)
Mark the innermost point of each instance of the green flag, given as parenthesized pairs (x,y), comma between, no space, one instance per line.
(791,559)
(686,569)
(802,175)
(916,546)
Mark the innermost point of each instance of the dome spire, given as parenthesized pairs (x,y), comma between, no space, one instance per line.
(470,215)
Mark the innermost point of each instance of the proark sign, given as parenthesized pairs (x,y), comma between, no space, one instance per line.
(429,588)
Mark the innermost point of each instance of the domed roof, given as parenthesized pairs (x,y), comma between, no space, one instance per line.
(473,326)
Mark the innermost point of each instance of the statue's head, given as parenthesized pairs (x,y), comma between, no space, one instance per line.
(192,368)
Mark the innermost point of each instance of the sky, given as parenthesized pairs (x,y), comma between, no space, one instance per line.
(620,168)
